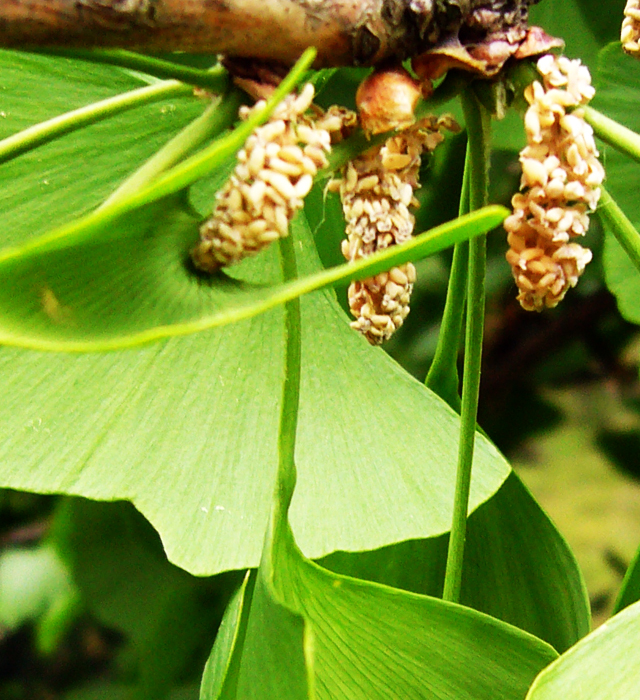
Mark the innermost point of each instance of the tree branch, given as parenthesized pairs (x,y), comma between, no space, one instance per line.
(345,32)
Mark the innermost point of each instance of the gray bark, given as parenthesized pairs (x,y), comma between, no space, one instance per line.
(345,32)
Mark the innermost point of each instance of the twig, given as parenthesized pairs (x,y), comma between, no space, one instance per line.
(345,32)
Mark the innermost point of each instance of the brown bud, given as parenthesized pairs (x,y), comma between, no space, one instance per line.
(387,100)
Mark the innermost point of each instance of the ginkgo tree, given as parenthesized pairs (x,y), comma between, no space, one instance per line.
(389,549)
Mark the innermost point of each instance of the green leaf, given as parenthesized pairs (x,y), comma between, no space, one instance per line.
(617,97)
(67,177)
(315,634)
(606,664)
(132,282)
(166,427)
(508,538)
(630,590)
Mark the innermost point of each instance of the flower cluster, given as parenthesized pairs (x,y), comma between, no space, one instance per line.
(560,185)
(376,190)
(630,33)
(274,173)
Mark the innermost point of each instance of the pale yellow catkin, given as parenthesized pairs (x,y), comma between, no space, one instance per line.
(560,182)
(377,191)
(274,173)
(630,32)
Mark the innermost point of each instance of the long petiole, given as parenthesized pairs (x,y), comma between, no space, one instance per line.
(617,222)
(442,377)
(213,79)
(291,390)
(610,131)
(46,131)
(478,128)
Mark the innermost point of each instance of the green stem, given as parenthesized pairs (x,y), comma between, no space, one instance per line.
(613,133)
(215,79)
(291,390)
(442,377)
(478,128)
(51,129)
(616,221)
(216,118)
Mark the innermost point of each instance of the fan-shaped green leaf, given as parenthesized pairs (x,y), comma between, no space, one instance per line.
(186,429)
(606,664)
(508,537)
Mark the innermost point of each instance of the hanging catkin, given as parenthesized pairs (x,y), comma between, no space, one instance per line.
(274,173)
(377,190)
(560,185)
(630,32)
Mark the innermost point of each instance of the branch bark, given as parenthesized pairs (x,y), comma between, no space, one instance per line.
(345,32)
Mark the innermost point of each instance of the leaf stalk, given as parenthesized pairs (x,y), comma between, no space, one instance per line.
(291,387)
(442,377)
(613,133)
(54,128)
(617,222)
(478,123)
(215,79)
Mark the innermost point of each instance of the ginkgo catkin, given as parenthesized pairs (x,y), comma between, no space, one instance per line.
(630,31)
(377,191)
(560,182)
(274,173)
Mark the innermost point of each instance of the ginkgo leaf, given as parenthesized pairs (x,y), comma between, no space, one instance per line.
(131,281)
(605,664)
(166,426)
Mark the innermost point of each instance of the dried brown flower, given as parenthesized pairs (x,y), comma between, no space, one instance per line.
(274,173)
(560,185)
(630,32)
(386,100)
(376,191)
